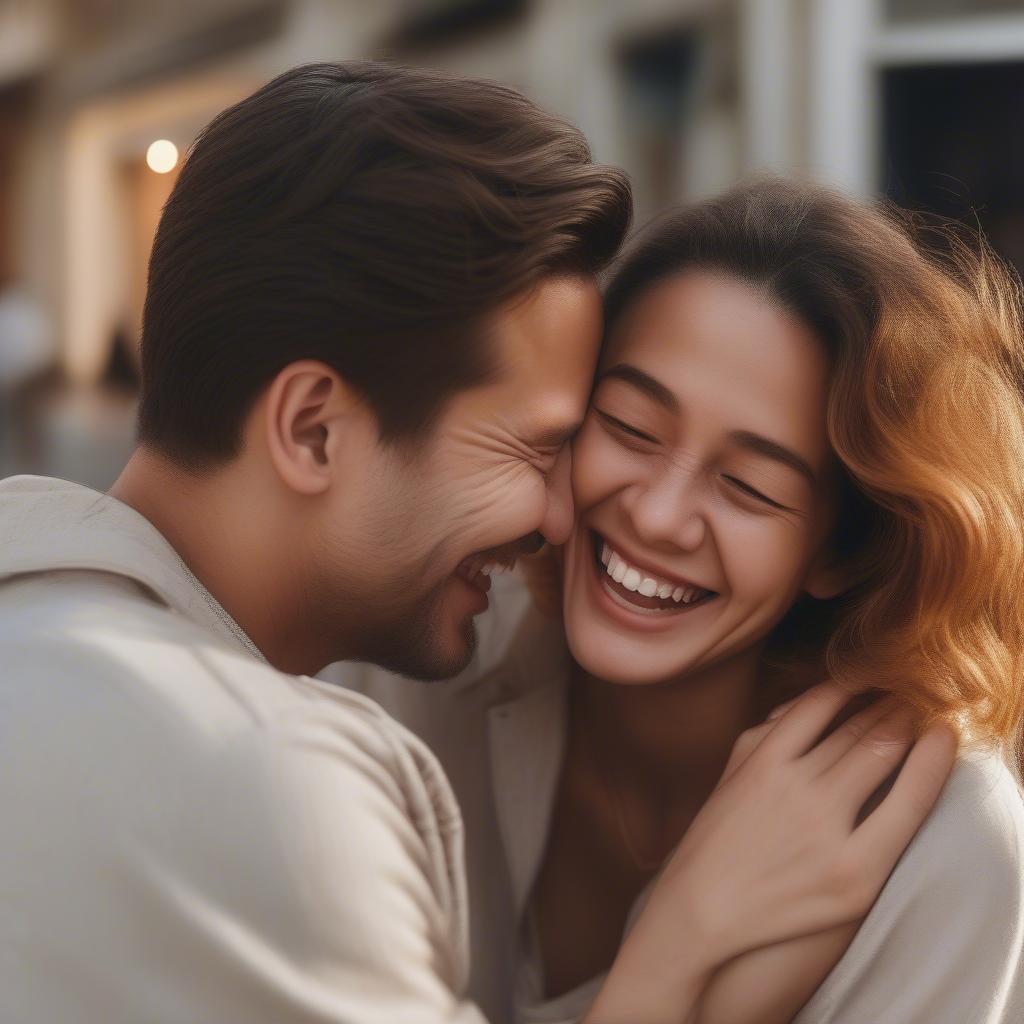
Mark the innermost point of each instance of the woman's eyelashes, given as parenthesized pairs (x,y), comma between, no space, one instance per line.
(636,438)
(622,427)
(752,492)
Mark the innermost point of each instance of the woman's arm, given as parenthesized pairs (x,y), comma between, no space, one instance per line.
(773,855)
(771,985)
(943,944)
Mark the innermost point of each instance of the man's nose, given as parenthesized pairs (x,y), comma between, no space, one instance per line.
(557,522)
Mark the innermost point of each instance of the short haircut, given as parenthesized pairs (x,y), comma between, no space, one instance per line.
(370,216)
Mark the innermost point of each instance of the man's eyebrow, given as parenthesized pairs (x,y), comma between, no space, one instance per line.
(773,450)
(644,382)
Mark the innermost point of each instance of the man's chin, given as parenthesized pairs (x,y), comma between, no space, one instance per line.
(434,659)
(427,636)
(428,655)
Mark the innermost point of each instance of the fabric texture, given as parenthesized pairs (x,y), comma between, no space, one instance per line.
(189,835)
(943,944)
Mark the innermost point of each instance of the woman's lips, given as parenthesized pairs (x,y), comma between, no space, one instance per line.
(632,609)
(637,588)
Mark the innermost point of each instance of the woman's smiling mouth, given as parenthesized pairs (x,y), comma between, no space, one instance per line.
(640,591)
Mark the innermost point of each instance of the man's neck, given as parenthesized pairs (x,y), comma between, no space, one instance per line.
(222,532)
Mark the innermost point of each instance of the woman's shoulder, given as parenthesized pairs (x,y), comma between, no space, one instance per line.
(943,942)
(977,823)
(983,779)
(968,855)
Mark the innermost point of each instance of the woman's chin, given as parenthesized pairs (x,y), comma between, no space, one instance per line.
(604,656)
(623,648)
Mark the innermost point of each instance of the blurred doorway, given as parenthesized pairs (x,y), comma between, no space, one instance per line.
(144,191)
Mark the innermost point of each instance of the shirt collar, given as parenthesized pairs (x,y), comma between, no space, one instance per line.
(52,525)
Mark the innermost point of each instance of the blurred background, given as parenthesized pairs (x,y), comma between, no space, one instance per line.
(919,100)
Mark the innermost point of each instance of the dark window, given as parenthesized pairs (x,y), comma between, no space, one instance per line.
(953,144)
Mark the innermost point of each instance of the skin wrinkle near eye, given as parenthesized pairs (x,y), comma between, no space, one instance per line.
(511,443)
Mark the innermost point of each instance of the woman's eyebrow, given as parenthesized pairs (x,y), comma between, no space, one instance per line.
(773,450)
(644,382)
(755,443)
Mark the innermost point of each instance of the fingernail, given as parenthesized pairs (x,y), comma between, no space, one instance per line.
(781,709)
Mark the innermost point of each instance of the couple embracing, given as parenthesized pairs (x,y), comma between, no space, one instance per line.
(378,372)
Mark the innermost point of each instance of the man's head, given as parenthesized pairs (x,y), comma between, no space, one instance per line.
(374,289)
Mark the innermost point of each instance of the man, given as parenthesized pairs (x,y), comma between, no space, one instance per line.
(370,330)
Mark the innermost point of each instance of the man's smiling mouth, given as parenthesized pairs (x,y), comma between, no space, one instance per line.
(478,569)
(639,590)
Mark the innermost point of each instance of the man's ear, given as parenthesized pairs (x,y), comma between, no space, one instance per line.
(309,416)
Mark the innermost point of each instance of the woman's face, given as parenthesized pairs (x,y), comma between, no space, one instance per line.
(702,481)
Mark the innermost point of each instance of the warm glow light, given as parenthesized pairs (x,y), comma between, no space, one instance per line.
(162,156)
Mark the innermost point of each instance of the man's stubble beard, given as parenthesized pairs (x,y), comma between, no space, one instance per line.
(396,626)
(403,635)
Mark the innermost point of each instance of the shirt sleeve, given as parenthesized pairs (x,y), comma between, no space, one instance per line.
(944,943)
(320,881)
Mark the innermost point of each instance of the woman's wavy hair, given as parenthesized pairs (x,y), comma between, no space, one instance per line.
(923,328)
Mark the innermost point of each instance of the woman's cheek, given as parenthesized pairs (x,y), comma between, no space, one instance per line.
(598,467)
(764,557)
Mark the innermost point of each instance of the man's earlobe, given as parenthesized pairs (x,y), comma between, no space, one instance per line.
(304,414)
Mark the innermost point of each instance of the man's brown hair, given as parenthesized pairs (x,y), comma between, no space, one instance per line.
(370,216)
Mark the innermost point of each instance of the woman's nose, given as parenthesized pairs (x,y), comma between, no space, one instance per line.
(666,509)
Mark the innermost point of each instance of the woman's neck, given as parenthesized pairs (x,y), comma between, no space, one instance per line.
(668,743)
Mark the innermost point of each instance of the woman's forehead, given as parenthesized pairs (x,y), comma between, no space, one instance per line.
(724,348)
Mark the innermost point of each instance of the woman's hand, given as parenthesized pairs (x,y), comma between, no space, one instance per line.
(776,852)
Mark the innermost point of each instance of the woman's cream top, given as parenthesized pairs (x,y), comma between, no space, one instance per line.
(944,943)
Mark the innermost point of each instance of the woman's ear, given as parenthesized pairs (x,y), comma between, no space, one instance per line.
(828,577)
(309,416)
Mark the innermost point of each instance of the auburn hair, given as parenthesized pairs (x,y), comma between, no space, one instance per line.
(923,329)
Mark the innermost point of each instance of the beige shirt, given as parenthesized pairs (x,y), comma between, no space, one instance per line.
(944,943)
(188,835)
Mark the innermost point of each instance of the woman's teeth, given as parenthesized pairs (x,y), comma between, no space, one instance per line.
(639,582)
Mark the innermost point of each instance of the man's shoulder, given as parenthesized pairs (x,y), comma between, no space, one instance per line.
(155,773)
(176,731)
(131,667)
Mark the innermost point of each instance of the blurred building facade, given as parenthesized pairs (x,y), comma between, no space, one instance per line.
(917,99)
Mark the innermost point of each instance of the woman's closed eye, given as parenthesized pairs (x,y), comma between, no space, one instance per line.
(622,427)
(635,438)
(752,492)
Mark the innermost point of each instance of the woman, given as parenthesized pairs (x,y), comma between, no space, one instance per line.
(802,456)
